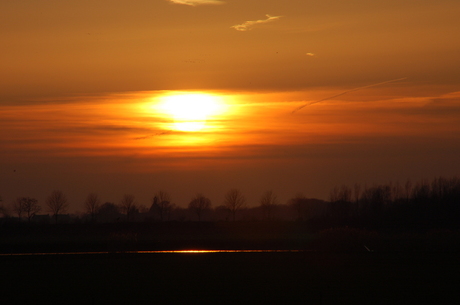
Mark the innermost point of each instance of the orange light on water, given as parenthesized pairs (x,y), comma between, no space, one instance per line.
(153,252)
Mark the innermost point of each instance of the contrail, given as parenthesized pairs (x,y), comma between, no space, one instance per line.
(348,91)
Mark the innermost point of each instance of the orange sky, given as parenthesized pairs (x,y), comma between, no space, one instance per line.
(80,83)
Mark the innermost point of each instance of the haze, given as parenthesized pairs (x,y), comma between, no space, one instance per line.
(80,81)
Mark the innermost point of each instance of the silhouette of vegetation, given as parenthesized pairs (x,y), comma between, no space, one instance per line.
(268,202)
(17,207)
(128,206)
(416,215)
(306,208)
(57,203)
(200,204)
(421,205)
(234,201)
(25,205)
(3,209)
(161,205)
(109,212)
(31,207)
(92,205)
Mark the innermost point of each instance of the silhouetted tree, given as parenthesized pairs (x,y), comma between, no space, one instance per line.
(424,204)
(128,206)
(17,206)
(161,205)
(31,207)
(109,211)
(92,205)
(397,192)
(298,205)
(142,208)
(199,204)
(408,189)
(307,208)
(234,201)
(357,192)
(267,202)
(57,203)
(375,199)
(340,202)
(25,205)
(3,209)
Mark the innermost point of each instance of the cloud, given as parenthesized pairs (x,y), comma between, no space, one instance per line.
(248,25)
(197,2)
(310,54)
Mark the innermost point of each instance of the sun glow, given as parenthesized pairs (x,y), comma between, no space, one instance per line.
(190,111)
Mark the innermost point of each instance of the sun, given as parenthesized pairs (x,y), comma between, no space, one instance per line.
(190,111)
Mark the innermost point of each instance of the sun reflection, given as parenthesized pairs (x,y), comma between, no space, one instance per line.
(190,111)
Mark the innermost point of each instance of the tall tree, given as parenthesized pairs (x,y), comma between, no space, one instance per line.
(4,211)
(31,207)
(199,204)
(128,206)
(298,204)
(408,189)
(161,205)
(57,203)
(92,205)
(267,202)
(17,206)
(234,201)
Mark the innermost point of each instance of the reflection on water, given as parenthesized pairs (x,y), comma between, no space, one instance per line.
(155,252)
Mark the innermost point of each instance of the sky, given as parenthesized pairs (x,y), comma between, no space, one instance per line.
(120,97)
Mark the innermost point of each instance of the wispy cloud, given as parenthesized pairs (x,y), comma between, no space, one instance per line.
(248,25)
(197,2)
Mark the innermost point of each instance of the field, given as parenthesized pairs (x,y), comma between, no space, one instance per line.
(291,277)
(330,266)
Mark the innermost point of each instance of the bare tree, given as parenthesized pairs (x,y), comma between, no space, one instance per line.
(128,206)
(3,209)
(298,204)
(234,201)
(267,202)
(340,201)
(161,205)
(57,203)
(92,205)
(357,192)
(398,193)
(17,206)
(408,189)
(31,207)
(199,204)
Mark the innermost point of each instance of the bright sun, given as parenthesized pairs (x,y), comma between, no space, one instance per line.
(191,110)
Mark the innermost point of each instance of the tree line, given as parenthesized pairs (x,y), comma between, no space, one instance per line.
(161,206)
(424,203)
(435,202)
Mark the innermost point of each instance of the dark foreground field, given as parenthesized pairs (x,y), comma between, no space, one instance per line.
(276,278)
(331,266)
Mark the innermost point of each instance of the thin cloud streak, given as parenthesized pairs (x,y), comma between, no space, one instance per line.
(348,91)
(197,2)
(248,25)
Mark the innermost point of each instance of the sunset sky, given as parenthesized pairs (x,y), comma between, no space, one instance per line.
(131,97)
